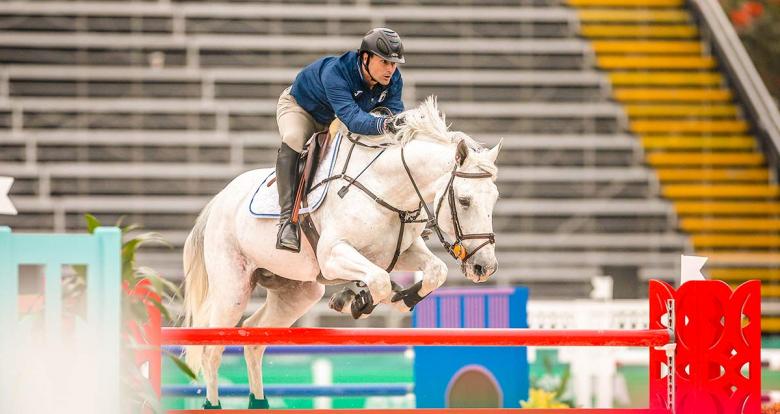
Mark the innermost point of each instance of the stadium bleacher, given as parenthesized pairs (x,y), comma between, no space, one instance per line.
(148,108)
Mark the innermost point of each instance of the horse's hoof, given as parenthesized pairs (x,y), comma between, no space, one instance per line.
(207,406)
(410,296)
(339,299)
(255,404)
(362,304)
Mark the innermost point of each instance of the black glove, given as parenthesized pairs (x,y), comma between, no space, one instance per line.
(393,124)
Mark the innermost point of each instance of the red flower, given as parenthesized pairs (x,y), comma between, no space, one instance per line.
(753,8)
(740,18)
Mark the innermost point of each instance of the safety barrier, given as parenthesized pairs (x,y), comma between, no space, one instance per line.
(705,334)
(98,328)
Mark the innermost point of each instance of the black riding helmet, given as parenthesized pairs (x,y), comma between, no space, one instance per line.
(384,43)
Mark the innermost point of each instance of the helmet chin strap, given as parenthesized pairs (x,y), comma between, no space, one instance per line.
(365,65)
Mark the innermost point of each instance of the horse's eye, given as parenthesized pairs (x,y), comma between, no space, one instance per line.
(464,201)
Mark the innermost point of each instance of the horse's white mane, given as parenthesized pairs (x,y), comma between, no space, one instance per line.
(426,122)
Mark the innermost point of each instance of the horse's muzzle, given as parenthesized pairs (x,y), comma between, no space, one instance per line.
(485,271)
(477,272)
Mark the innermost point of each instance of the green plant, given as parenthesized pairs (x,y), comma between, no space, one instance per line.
(547,390)
(137,392)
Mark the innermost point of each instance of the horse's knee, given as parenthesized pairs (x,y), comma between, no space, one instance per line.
(436,276)
(380,286)
(330,268)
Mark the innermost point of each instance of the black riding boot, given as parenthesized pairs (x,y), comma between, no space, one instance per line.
(286,181)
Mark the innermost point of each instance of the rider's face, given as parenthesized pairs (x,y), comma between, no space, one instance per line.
(380,69)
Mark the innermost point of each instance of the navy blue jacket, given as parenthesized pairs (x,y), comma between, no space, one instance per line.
(333,86)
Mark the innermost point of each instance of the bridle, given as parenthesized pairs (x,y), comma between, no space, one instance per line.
(456,249)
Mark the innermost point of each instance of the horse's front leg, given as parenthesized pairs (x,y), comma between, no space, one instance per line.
(418,258)
(339,260)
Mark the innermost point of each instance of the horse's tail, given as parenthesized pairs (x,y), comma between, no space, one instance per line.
(196,284)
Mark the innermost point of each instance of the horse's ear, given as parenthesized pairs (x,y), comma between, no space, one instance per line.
(462,152)
(493,153)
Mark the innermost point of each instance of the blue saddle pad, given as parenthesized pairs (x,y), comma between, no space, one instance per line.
(265,201)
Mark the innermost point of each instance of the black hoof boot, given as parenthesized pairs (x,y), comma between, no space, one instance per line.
(207,405)
(363,304)
(255,404)
(395,287)
(410,296)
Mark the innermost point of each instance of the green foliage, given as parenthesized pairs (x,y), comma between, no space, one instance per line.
(181,364)
(138,391)
(550,386)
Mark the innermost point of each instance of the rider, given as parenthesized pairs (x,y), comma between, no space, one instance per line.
(347,87)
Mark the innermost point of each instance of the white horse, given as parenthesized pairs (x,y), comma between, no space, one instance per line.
(228,251)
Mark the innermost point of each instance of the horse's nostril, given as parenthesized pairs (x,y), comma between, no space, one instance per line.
(479,270)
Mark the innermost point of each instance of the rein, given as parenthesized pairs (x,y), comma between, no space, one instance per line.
(405,216)
(456,249)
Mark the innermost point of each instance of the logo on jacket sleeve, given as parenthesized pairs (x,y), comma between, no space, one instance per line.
(382,96)
(357,93)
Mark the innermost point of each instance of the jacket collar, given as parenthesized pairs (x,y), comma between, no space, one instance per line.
(363,81)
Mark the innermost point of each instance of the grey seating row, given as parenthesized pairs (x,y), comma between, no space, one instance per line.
(270,139)
(535,267)
(231,83)
(253,115)
(286,18)
(217,50)
(147,108)
(193,204)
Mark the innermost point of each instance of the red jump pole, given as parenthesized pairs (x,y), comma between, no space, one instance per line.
(416,336)
(716,352)
(439,411)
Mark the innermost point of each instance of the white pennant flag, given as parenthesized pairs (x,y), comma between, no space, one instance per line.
(690,268)
(6,207)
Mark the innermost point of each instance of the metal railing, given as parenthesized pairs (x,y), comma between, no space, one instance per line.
(753,94)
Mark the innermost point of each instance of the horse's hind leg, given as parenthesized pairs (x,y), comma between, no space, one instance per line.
(212,358)
(286,302)
(228,296)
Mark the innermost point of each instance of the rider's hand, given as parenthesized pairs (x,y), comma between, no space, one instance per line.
(393,124)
